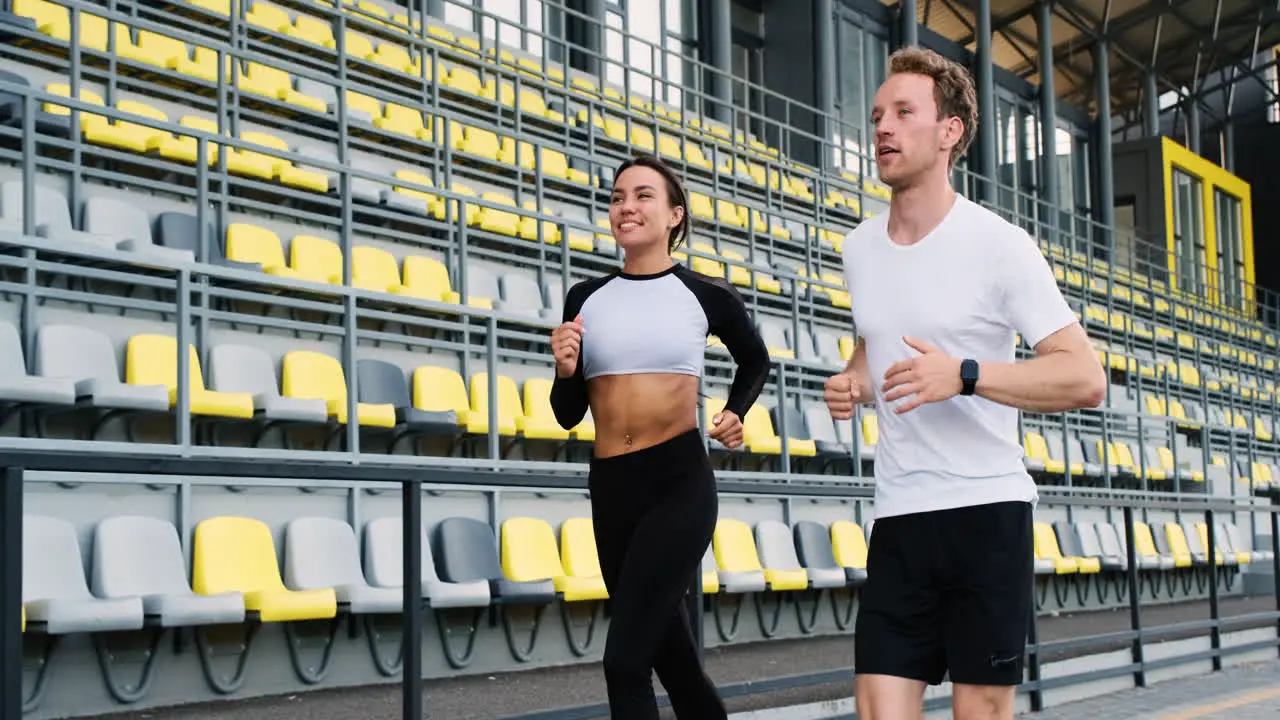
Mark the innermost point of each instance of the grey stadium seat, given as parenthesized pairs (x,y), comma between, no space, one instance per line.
(135,556)
(481,283)
(181,231)
(468,551)
(54,590)
(804,346)
(87,358)
(322,552)
(813,548)
(1088,544)
(778,552)
(53,216)
(520,295)
(381,382)
(248,369)
(384,566)
(17,386)
(822,428)
(130,225)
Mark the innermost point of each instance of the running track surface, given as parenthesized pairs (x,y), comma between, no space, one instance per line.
(1240,694)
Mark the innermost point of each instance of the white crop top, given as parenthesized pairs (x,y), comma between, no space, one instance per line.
(658,323)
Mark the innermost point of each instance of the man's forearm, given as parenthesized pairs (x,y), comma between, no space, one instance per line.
(1055,382)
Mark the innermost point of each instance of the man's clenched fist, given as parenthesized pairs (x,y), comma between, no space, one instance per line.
(841,394)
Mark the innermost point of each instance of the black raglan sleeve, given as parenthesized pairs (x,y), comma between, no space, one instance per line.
(569,394)
(729,320)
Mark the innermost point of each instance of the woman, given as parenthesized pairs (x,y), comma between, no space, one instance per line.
(631,348)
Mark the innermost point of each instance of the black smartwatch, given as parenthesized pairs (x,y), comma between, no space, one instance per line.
(968,376)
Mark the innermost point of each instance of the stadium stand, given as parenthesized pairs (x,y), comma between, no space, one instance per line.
(361,211)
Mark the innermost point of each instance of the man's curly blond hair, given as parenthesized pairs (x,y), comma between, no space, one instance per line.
(953,89)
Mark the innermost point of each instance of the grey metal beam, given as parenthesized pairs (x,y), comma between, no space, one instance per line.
(999,23)
(1048,109)
(1150,105)
(907,19)
(434,8)
(824,51)
(987,119)
(1104,201)
(720,44)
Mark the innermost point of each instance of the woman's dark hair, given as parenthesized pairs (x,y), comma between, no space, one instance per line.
(676,195)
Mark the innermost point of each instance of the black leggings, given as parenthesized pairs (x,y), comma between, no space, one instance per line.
(654,511)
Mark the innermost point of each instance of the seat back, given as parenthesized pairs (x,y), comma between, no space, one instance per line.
(181,231)
(578,552)
(374,269)
(310,374)
(848,544)
(1068,541)
(384,553)
(1046,541)
(1110,539)
(77,352)
(1087,542)
(111,216)
(52,566)
(12,359)
(467,549)
(520,294)
(819,423)
(153,360)
(813,545)
(381,382)
(320,552)
(439,389)
(242,369)
(776,546)
(735,548)
(529,550)
(137,556)
(234,553)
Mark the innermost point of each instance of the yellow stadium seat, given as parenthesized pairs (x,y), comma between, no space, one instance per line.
(578,552)
(1202,530)
(1178,546)
(316,259)
(464,80)
(707,266)
(1046,548)
(759,436)
(375,269)
(510,420)
(735,551)
(529,553)
(185,148)
(849,544)
(54,20)
(496,220)
(153,360)
(428,278)
(312,30)
(308,374)
(236,554)
(253,244)
(433,202)
(440,389)
(539,419)
(406,121)
(124,134)
(529,226)
(277,84)
(268,17)
(273,167)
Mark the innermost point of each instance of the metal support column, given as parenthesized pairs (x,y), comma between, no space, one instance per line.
(11,592)
(1048,118)
(585,36)
(824,52)
(907,19)
(1104,202)
(1193,125)
(987,120)
(1229,145)
(434,8)
(1150,105)
(720,47)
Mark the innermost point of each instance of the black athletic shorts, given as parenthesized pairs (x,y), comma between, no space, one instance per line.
(948,591)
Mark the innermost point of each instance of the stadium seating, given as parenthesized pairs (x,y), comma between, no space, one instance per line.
(381,224)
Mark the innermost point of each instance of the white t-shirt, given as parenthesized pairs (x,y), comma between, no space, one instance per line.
(965,288)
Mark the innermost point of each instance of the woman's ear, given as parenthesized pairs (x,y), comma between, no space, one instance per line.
(677,215)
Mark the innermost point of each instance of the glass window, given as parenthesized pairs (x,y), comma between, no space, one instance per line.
(1188,231)
(1230,240)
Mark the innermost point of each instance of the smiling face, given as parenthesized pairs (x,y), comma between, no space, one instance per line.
(911,140)
(640,210)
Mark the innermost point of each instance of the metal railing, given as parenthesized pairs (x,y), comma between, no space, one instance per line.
(121,461)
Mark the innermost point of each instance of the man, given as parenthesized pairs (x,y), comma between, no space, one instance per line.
(939,287)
